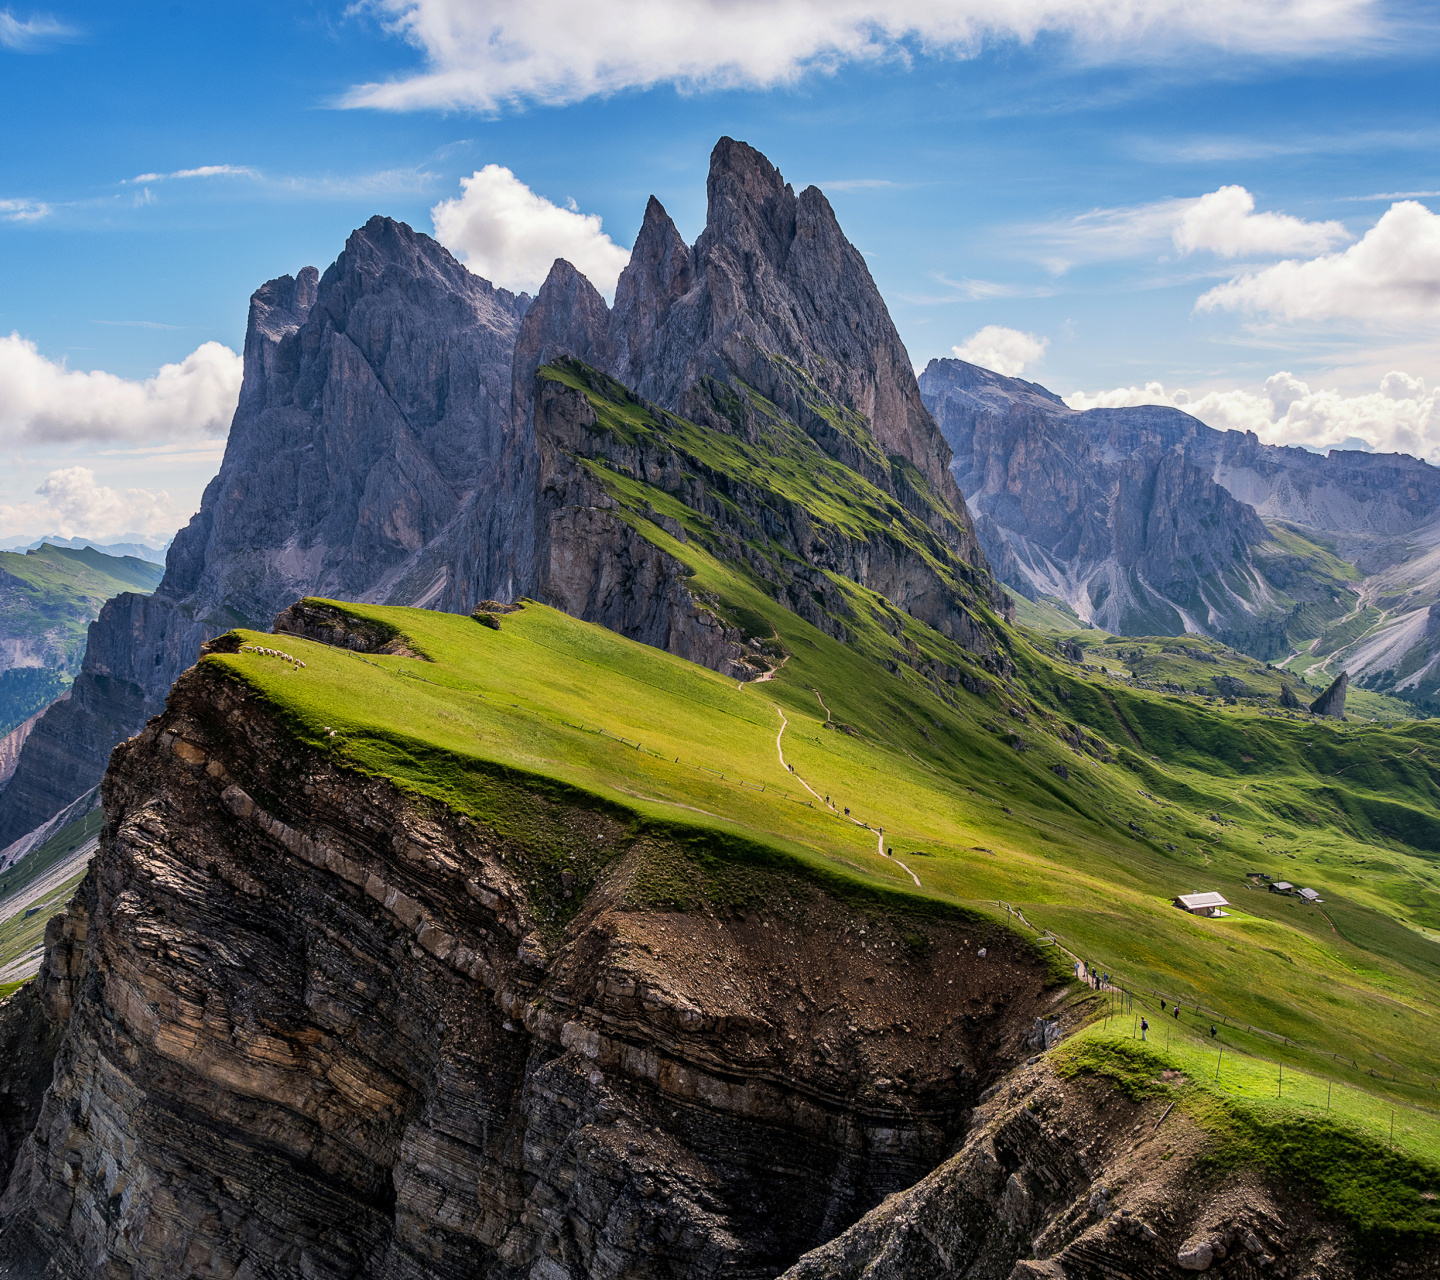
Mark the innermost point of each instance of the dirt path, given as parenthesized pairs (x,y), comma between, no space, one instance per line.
(879,834)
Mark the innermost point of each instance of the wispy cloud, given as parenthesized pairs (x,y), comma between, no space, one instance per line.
(204,171)
(23,210)
(1219,150)
(1222,222)
(969,290)
(33,34)
(1392,195)
(856,184)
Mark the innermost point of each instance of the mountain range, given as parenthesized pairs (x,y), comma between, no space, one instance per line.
(585,808)
(1144,521)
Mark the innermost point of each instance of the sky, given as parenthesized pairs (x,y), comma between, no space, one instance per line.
(1233,207)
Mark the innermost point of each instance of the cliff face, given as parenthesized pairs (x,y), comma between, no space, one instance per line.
(384,448)
(1060,1178)
(609,462)
(312,1027)
(374,402)
(1144,520)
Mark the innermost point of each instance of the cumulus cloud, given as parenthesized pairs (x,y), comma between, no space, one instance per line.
(503,231)
(43,401)
(1006,351)
(1222,222)
(74,506)
(1391,273)
(486,54)
(1401,416)
(32,34)
(1225,223)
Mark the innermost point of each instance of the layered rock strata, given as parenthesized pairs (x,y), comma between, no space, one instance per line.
(315,1027)
(1066,1179)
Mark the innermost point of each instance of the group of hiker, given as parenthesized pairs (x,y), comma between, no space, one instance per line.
(1175,1011)
(1100,980)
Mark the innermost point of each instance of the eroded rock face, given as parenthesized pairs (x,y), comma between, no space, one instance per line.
(1332,701)
(1061,1179)
(374,406)
(384,448)
(315,1028)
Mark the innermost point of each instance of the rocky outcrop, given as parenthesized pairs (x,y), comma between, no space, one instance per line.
(375,401)
(597,562)
(1147,522)
(384,448)
(1332,701)
(1061,1178)
(752,308)
(317,1027)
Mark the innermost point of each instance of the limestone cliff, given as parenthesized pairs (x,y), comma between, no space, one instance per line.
(384,447)
(374,402)
(1145,521)
(313,1026)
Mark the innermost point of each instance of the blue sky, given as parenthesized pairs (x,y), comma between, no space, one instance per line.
(1036,181)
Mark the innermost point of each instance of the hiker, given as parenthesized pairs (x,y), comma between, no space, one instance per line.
(847,813)
(1177,1013)
(1144,1027)
(1213,1032)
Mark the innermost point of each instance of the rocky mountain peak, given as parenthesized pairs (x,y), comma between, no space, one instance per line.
(661,270)
(1332,701)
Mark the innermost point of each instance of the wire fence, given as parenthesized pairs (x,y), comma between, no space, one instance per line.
(1136,1001)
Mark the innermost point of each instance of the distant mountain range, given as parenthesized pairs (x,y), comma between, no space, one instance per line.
(48,598)
(1144,521)
(128,544)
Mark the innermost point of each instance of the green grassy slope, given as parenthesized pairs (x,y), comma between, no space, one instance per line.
(1077,798)
(566,703)
(48,598)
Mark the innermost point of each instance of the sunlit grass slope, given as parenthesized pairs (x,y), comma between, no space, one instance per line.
(976,820)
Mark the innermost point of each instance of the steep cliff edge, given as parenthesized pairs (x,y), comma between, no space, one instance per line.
(317,1025)
(634,497)
(374,404)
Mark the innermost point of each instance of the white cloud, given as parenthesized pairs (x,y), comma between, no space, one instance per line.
(204,171)
(505,232)
(1225,223)
(1402,416)
(74,506)
(486,54)
(1391,273)
(1006,351)
(1222,222)
(23,210)
(32,34)
(42,401)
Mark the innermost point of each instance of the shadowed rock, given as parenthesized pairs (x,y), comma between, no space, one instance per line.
(1332,701)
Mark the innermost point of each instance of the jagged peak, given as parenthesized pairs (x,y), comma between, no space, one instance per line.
(745,193)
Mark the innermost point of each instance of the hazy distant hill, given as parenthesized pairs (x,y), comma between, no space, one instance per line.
(48,598)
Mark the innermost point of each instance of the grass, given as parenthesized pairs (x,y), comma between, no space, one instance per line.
(1083,798)
(979,822)
(1298,1127)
